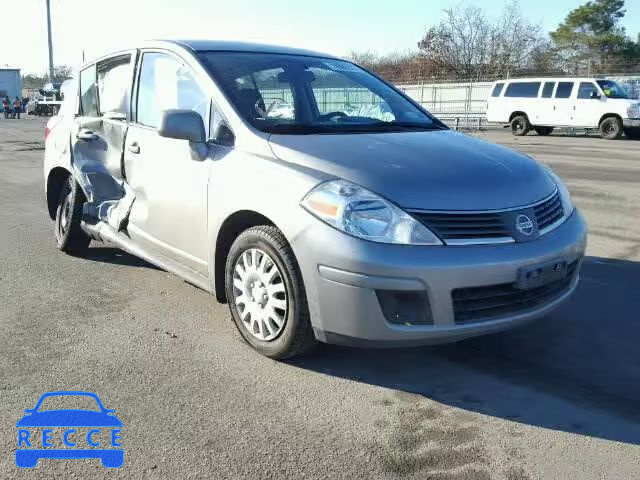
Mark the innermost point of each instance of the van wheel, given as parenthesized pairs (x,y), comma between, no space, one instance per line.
(70,238)
(632,133)
(611,128)
(543,131)
(520,125)
(266,294)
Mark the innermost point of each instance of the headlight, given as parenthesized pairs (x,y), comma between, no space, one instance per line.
(633,111)
(565,197)
(363,214)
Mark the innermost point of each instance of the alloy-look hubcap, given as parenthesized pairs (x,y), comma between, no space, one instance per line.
(259,294)
(65,214)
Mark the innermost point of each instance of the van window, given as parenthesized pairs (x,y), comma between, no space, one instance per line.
(586,89)
(497,90)
(564,89)
(165,83)
(88,92)
(522,89)
(547,90)
(114,77)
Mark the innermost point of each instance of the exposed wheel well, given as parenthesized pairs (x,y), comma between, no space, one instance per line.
(56,179)
(233,226)
(608,115)
(516,114)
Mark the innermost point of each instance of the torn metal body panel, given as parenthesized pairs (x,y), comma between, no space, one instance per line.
(98,163)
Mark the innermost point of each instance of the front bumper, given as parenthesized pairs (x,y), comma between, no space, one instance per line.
(631,122)
(342,275)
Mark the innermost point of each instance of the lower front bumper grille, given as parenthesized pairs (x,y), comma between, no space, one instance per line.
(489,302)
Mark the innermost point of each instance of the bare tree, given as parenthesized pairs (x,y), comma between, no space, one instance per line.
(468,44)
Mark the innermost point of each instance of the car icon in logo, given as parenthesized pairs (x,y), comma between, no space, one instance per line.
(524,225)
(93,429)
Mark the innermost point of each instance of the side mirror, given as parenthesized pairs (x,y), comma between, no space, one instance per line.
(182,125)
(595,95)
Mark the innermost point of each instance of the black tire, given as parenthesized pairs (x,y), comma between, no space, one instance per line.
(632,133)
(296,336)
(543,131)
(611,128)
(70,238)
(520,125)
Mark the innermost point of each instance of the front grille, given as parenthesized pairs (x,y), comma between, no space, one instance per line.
(464,225)
(548,212)
(484,303)
(490,227)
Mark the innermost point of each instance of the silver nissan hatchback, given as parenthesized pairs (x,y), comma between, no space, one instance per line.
(318,201)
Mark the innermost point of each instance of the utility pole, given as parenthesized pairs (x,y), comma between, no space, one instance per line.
(50,43)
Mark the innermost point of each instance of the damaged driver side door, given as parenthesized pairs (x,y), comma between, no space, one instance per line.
(170,181)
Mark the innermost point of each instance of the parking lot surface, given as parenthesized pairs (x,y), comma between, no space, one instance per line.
(557,399)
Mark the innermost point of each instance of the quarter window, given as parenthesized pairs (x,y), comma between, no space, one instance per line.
(166,83)
(586,89)
(547,90)
(114,77)
(89,92)
(522,89)
(564,89)
(497,90)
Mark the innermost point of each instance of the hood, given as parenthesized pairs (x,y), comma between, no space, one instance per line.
(438,170)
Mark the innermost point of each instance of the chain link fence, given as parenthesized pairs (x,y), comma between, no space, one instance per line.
(462,102)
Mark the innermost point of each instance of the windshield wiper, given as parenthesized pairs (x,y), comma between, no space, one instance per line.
(297,128)
(408,126)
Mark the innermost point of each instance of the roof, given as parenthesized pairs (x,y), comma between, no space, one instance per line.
(230,46)
(12,69)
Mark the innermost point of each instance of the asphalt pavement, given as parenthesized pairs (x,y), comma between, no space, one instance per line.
(557,399)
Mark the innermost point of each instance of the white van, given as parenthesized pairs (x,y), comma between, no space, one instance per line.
(542,104)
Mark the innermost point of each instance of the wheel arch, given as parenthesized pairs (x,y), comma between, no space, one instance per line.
(609,115)
(517,113)
(233,225)
(55,180)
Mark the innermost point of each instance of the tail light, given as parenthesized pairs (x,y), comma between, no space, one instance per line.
(47,131)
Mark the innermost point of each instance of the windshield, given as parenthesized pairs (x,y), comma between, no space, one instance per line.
(295,94)
(611,89)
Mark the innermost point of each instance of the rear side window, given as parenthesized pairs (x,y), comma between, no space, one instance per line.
(497,90)
(547,90)
(523,89)
(564,89)
(89,92)
(114,78)
(586,89)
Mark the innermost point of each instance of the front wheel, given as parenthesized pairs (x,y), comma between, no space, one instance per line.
(70,238)
(266,294)
(611,128)
(520,125)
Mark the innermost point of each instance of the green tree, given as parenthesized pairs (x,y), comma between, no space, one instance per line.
(593,32)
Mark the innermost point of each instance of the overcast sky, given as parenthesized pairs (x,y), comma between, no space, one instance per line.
(331,26)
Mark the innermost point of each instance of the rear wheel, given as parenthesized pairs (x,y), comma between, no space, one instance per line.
(520,125)
(266,294)
(543,131)
(611,128)
(70,238)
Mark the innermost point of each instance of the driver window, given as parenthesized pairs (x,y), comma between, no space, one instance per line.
(336,93)
(167,83)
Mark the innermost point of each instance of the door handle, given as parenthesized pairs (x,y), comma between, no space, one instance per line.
(133,147)
(86,135)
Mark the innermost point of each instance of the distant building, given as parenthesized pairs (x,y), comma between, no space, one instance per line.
(10,83)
